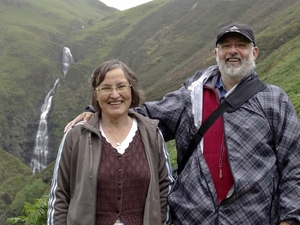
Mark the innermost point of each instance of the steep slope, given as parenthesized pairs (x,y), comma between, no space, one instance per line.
(13,175)
(163,41)
(178,39)
(32,37)
(166,44)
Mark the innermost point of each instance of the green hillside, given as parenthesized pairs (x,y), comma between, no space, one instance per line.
(163,41)
(13,175)
(32,37)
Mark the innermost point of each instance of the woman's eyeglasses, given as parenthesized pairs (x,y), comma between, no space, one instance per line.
(108,89)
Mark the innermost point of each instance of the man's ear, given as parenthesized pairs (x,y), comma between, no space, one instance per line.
(255,52)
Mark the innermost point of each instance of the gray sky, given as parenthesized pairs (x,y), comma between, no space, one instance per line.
(124,4)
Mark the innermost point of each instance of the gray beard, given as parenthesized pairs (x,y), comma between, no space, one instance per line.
(235,74)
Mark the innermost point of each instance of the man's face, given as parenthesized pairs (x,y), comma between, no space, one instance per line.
(235,56)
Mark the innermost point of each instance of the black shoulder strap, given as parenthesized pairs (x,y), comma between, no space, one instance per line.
(241,94)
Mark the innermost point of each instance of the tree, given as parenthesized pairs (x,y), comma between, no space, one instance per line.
(35,213)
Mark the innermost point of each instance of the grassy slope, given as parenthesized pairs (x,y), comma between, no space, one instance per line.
(32,35)
(273,30)
(150,39)
(280,65)
(13,175)
(161,52)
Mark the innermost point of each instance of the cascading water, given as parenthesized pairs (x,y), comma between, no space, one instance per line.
(40,153)
(67,59)
(39,159)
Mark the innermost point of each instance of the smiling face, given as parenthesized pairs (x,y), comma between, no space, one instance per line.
(235,56)
(113,94)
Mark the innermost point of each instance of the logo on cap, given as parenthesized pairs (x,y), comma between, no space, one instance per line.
(234,28)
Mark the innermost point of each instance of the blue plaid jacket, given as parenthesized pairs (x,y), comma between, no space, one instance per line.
(263,148)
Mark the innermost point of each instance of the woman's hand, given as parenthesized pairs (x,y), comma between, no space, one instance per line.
(85,117)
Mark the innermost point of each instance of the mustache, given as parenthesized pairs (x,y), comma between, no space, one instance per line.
(236,56)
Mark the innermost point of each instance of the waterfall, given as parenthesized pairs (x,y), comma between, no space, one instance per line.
(40,153)
(67,60)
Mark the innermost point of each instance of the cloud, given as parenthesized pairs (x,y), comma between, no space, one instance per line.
(124,4)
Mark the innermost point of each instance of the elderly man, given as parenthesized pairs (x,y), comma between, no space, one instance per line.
(246,170)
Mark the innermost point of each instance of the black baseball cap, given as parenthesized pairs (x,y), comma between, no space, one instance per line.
(239,28)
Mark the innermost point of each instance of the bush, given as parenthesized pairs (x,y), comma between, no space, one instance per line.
(35,213)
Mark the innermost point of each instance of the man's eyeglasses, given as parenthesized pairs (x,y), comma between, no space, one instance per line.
(108,89)
(238,45)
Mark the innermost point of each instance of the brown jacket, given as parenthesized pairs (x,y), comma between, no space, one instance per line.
(72,198)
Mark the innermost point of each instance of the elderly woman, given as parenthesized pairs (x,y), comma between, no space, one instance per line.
(113,170)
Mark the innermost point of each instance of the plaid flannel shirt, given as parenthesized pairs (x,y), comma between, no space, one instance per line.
(263,147)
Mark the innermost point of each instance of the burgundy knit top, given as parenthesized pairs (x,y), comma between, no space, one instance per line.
(123,181)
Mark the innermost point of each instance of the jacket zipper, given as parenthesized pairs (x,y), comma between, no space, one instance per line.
(91,156)
(221,160)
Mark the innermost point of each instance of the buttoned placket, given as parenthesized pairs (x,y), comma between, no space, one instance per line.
(120,178)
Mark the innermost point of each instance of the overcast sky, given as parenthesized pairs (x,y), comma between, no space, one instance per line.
(124,4)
